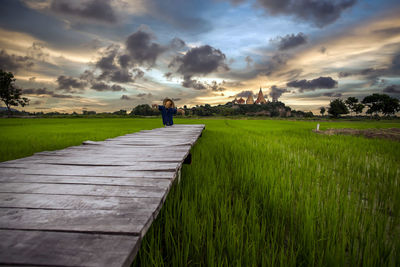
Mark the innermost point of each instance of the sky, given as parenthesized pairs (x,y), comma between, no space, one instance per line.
(107,55)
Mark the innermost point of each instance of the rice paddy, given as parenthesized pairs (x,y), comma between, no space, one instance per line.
(258,192)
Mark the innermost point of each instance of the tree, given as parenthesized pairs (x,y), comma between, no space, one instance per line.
(322,110)
(144,110)
(353,105)
(337,107)
(10,95)
(381,103)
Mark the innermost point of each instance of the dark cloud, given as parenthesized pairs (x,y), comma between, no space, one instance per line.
(101,86)
(322,49)
(392,89)
(143,95)
(332,94)
(68,84)
(291,41)
(36,52)
(249,61)
(14,63)
(141,48)
(392,70)
(320,13)
(393,31)
(188,82)
(98,10)
(244,94)
(45,91)
(276,92)
(125,97)
(168,75)
(217,87)
(199,61)
(177,43)
(311,85)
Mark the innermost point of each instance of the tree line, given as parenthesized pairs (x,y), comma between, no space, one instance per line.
(375,104)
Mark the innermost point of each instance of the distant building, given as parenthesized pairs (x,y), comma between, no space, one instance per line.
(250,99)
(240,101)
(260,98)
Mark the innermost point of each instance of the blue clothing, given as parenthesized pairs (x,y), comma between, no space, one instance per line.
(166,114)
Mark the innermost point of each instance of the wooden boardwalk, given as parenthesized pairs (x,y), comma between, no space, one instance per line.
(89,205)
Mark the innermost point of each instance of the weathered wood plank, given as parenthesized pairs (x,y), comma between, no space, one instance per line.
(84,190)
(109,173)
(91,221)
(66,249)
(71,202)
(66,179)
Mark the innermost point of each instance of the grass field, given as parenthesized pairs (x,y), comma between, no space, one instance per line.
(258,192)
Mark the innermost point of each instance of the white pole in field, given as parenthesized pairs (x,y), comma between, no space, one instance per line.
(318,127)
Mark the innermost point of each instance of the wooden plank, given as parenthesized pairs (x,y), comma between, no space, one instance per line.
(71,202)
(67,179)
(84,190)
(91,221)
(124,171)
(105,173)
(66,249)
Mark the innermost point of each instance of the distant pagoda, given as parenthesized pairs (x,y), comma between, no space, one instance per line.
(241,101)
(260,98)
(250,99)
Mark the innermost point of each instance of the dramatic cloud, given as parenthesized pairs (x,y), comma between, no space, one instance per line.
(291,41)
(217,87)
(45,91)
(36,52)
(199,61)
(142,95)
(244,94)
(98,10)
(311,85)
(68,84)
(142,50)
(125,97)
(320,13)
(392,89)
(276,92)
(14,63)
(392,70)
(101,86)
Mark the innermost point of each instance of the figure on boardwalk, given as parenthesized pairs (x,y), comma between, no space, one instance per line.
(167,109)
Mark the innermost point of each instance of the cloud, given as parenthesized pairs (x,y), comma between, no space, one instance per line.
(291,41)
(276,92)
(332,94)
(199,61)
(249,61)
(143,95)
(125,97)
(45,91)
(320,13)
(244,94)
(97,10)
(217,87)
(67,84)
(392,70)
(101,86)
(36,52)
(13,62)
(392,89)
(311,85)
(392,31)
(142,50)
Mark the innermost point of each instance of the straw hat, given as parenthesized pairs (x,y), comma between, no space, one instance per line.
(168,99)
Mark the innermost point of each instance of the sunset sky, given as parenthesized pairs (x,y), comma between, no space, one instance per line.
(104,55)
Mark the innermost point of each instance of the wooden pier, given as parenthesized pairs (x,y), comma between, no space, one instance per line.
(89,205)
